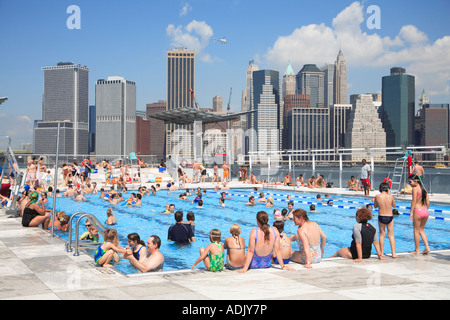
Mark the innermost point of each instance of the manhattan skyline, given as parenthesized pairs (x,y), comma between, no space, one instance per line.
(130,39)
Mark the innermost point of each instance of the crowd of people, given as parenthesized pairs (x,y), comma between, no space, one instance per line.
(266,245)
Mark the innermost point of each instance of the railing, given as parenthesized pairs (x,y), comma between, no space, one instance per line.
(94,220)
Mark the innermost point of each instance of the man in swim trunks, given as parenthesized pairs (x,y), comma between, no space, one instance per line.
(226,171)
(385,202)
(196,173)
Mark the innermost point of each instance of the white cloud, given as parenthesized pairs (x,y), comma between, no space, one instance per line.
(195,36)
(412,35)
(185,10)
(24,118)
(410,48)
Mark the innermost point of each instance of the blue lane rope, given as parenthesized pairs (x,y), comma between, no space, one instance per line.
(333,205)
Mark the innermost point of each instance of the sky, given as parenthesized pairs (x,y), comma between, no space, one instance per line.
(131,38)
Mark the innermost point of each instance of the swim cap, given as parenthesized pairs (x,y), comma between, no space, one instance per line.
(34,196)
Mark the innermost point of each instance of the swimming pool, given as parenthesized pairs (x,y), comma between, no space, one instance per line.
(335,220)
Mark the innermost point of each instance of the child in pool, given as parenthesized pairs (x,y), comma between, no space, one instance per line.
(190,220)
(109,249)
(137,247)
(213,261)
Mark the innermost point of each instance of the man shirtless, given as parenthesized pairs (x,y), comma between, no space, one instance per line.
(153,262)
(311,182)
(226,172)
(385,202)
(419,170)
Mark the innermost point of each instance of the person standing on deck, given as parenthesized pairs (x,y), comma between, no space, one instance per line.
(365,177)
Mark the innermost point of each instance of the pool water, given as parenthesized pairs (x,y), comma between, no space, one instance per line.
(336,221)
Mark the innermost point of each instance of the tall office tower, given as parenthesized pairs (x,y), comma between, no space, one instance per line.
(364,128)
(434,125)
(308,128)
(292,101)
(247,99)
(339,116)
(398,104)
(218,104)
(289,81)
(115,103)
(266,102)
(180,82)
(157,129)
(65,101)
(328,89)
(310,80)
(340,80)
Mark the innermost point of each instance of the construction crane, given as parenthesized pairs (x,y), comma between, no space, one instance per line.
(229,101)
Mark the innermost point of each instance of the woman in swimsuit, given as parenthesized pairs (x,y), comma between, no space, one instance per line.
(235,246)
(137,246)
(310,238)
(419,212)
(212,255)
(35,214)
(261,245)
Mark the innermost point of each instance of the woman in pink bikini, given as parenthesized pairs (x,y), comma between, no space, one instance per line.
(419,212)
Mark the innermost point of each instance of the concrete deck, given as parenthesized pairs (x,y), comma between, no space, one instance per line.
(36,266)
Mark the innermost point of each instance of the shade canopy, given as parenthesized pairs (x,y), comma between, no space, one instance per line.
(187,115)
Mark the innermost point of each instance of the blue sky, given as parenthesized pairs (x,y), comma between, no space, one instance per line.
(130,39)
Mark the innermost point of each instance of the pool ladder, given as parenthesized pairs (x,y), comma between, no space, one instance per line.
(101,229)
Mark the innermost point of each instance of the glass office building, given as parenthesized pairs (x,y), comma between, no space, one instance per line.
(311,81)
(398,104)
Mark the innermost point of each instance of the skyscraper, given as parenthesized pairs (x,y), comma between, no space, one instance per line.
(292,101)
(434,125)
(310,81)
(340,80)
(339,116)
(65,101)
(266,102)
(115,103)
(289,81)
(218,104)
(398,107)
(329,75)
(247,96)
(364,128)
(157,129)
(308,128)
(180,82)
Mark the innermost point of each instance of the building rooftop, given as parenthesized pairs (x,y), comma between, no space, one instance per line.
(310,68)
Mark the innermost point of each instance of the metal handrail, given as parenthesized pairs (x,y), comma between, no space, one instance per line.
(77,230)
